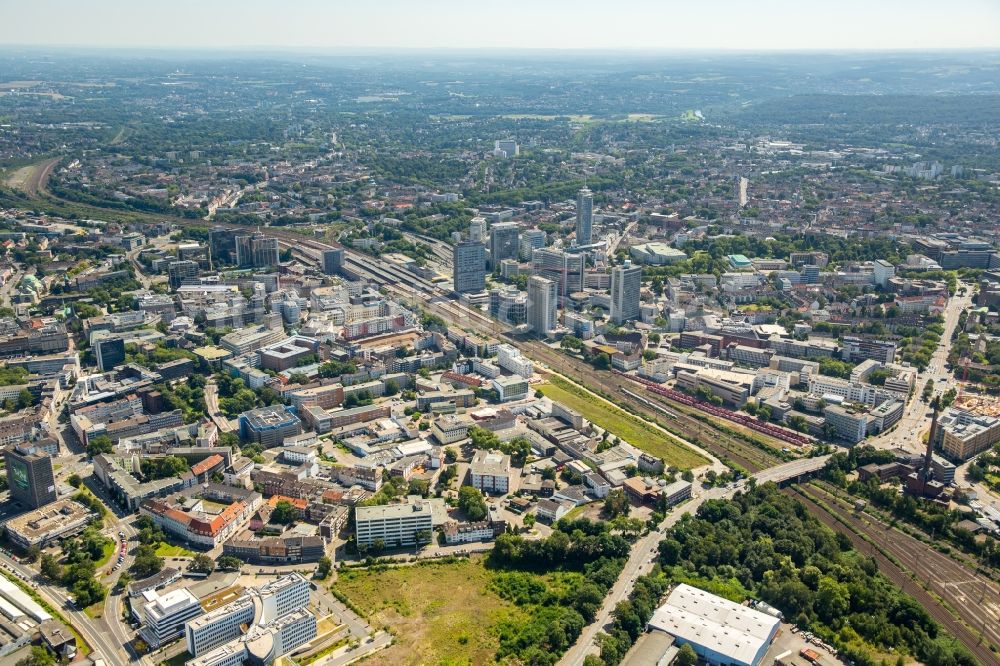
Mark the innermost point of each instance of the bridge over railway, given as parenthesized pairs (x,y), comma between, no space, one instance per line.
(796,470)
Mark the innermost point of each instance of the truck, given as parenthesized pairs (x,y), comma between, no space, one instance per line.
(809,655)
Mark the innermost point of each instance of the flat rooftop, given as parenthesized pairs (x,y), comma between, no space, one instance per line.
(51,518)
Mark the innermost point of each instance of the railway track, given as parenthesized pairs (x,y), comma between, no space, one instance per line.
(975,600)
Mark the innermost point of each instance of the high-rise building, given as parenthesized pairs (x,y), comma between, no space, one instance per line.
(626,280)
(542,300)
(182,272)
(741,185)
(256,251)
(265,622)
(477,229)
(503,242)
(222,243)
(333,261)
(110,352)
(531,240)
(584,216)
(469,266)
(29,475)
(564,268)
(506,148)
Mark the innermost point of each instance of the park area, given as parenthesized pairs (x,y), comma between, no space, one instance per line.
(618,422)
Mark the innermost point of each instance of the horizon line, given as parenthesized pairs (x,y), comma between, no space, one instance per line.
(375,50)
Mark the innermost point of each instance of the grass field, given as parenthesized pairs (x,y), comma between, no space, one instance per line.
(169,550)
(109,549)
(440,613)
(618,422)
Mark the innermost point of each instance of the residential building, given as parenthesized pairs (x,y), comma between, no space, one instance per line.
(489,472)
(394,525)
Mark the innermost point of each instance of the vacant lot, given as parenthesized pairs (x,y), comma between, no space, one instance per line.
(618,422)
(440,613)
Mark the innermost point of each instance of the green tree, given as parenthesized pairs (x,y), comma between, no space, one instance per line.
(229,563)
(323,567)
(284,513)
(615,504)
(99,444)
(686,656)
(471,502)
(202,563)
(39,657)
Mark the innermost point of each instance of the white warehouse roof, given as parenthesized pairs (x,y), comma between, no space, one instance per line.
(726,628)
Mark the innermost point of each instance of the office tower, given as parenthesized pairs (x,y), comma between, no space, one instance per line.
(506,148)
(477,229)
(469,266)
(222,244)
(110,353)
(503,242)
(333,261)
(182,272)
(741,185)
(626,280)
(29,475)
(256,251)
(531,240)
(584,216)
(563,268)
(810,274)
(542,299)
(275,614)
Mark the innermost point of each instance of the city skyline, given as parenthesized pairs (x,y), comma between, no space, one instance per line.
(721,25)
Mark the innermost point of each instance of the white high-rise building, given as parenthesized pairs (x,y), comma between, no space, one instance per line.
(531,240)
(626,281)
(542,302)
(164,615)
(256,607)
(584,216)
(477,229)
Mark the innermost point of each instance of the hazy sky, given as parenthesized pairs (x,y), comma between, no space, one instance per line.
(584,24)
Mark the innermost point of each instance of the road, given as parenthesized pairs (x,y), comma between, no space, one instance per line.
(9,285)
(640,562)
(909,432)
(57,598)
(212,405)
